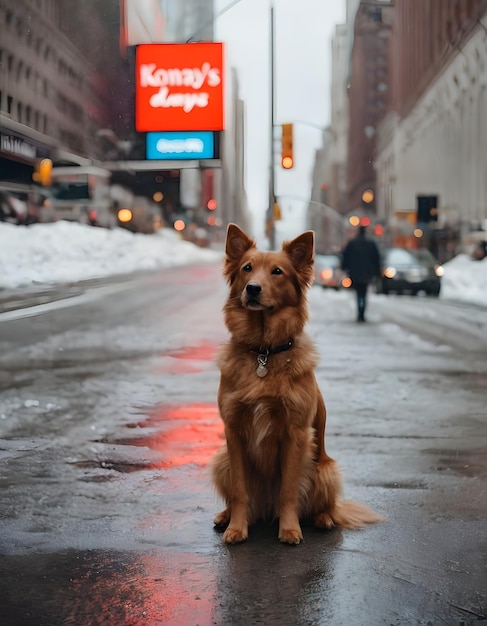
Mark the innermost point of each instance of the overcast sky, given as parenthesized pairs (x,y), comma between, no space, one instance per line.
(303,32)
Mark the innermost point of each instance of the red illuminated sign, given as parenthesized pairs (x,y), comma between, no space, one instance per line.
(179,87)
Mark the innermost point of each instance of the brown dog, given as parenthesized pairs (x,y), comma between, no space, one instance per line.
(274,463)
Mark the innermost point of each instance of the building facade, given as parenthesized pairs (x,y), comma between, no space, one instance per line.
(233,205)
(67,92)
(328,206)
(328,200)
(58,77)
(433,144)
(337,185)
(369,93)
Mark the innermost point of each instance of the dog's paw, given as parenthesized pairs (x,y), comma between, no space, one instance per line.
(290,535)
(235,535)
(323,520)
(222,519)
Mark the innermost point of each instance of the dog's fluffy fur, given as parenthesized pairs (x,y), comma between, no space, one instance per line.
(274,463)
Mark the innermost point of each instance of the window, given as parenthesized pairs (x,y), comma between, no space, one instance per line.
(20,28)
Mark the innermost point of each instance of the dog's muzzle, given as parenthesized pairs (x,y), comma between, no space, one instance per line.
(253,290)
(251,298)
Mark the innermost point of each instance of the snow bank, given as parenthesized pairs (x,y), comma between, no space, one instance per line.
(68,252)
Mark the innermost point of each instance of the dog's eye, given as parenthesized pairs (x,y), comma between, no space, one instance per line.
(277,270)
(247,268)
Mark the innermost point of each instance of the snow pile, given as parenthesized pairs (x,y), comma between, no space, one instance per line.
(465,280)
(68,252)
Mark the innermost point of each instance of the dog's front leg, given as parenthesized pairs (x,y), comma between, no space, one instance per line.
(238,499)
(292,455)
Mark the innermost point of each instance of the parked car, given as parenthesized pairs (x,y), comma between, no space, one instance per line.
(328,272)
(12,210)
(410,271)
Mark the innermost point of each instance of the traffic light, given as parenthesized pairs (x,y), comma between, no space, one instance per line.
(287,159)
(368,197)
(43,172)
(427,209)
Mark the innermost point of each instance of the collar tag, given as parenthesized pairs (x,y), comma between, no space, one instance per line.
(262,358)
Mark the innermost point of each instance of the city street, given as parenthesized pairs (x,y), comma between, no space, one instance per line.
(108,420)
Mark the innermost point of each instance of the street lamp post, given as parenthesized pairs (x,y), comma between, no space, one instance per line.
(272,193)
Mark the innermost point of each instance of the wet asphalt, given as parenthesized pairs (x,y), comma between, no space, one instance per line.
(108,421)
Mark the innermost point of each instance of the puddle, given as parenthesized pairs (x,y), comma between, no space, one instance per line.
(118,466)
(404,485)
(187,434)
(467,463)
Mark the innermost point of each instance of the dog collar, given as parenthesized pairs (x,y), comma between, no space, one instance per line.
(264,353)
(268,351)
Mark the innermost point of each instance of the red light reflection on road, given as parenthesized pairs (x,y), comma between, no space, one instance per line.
(188,359)
(182,434)
(123,588)
(201,352)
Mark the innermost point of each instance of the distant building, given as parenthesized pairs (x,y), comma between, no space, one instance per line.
(67,87)
(330,171)
(234,206)
(337,185)
(432,146)
(59,72)
(369,92)
(316,218)
(165,21)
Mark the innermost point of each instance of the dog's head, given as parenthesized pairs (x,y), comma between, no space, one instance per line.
(268,281)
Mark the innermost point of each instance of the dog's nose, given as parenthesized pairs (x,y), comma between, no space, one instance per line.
(253,289)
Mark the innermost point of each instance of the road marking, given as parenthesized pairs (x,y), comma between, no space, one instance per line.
(38,309)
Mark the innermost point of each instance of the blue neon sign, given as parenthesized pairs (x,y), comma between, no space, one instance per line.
(180,145)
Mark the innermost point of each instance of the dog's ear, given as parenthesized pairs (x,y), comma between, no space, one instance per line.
(301,250)
(237,243)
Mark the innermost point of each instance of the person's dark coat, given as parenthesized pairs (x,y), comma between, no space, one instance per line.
(361,259)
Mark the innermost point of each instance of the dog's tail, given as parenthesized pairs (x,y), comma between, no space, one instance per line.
(351,514)
(328,508)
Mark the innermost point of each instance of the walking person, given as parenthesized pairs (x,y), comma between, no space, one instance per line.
(361,261)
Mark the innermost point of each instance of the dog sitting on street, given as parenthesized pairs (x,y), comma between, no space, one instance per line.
(274,463)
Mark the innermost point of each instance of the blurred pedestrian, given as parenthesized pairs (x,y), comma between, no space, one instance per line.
(92,217)
(480,251)
(361,261)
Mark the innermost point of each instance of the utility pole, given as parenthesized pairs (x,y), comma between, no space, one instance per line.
(272,194)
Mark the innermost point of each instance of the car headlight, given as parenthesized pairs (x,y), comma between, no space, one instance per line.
(390,272)
(327,274)
(439,271)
